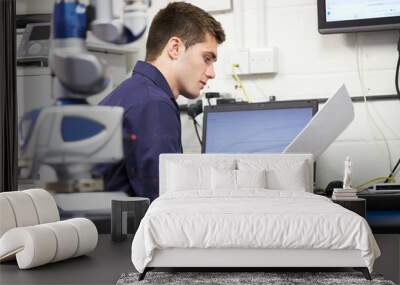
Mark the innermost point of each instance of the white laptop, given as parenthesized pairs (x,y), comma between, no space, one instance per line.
(325,126)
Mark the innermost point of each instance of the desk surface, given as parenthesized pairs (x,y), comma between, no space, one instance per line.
(102,266)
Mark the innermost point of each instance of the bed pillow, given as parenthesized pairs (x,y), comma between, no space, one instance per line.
(186,174)
(227,179)
(282,174)
(251,178)
(182,177)
(223,179)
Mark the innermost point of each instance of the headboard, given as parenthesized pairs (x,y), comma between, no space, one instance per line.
(204,159)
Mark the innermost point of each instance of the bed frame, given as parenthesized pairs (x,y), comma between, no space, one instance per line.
(242,259)
(246,258)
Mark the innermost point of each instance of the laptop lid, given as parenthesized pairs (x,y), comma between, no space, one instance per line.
(325,126)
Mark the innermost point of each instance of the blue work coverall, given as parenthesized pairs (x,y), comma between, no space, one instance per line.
(151,126)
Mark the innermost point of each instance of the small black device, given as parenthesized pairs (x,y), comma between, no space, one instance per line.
(195,109)
(210,95)
(226,101)
(386,187)
(266,127)
(332,185)
(338,16)
(126,215)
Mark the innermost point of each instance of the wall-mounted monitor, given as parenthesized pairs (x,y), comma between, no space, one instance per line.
(341,16)
(255,128)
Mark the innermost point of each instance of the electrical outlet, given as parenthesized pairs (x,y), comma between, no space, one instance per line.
(255,61)
(263,60)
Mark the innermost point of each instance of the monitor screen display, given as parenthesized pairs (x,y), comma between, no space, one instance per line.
(255,128)
(40,33)
(335,16)
(345,10)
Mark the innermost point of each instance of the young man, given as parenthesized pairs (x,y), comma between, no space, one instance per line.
(180,52)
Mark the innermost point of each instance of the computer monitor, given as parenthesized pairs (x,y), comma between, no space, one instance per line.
(255,128)
(340,16)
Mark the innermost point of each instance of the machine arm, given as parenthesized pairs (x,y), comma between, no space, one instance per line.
(119,31)
(81,73)
(73,136)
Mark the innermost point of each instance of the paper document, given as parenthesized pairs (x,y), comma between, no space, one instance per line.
(325,126)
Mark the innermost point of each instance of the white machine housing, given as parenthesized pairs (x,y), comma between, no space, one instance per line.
(45,143)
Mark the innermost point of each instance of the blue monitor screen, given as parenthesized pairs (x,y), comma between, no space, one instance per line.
(254,131)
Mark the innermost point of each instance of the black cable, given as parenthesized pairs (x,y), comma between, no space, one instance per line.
(209,102)
(397,76)
(398,93)
(392,172)
(197,131)
(397,69)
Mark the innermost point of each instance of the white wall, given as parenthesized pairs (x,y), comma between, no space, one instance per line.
(314,66)
(24,7)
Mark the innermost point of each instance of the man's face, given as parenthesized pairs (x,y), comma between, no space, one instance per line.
(196,66)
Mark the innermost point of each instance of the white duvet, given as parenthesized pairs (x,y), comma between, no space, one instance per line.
(250,219)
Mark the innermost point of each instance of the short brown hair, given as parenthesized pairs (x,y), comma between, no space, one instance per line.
(183,20)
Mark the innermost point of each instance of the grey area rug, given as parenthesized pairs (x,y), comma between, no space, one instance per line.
(273,278)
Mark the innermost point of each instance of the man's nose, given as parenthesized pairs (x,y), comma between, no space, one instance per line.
(210,73)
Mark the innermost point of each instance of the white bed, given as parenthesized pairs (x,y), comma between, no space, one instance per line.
(247,211)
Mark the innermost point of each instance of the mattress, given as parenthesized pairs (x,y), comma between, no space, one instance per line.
(251,219)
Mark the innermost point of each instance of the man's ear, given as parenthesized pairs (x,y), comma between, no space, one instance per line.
(175,47)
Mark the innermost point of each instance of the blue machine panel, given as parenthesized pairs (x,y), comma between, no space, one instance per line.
(79,128)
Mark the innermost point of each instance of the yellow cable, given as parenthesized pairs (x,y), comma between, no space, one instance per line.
(239,82)
(376,179)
